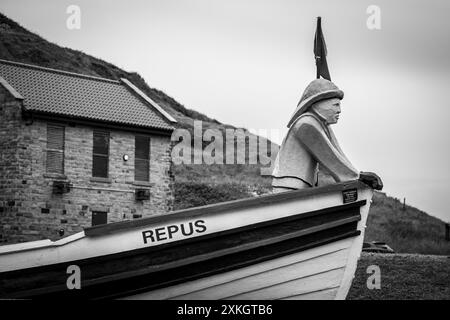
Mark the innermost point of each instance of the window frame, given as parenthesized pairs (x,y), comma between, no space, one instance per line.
(136,158)
(95,218)
(106,155)
(61,151)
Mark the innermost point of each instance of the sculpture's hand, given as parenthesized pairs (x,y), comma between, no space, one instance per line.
(371,179)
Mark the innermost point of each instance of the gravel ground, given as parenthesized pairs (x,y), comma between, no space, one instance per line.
(403,277)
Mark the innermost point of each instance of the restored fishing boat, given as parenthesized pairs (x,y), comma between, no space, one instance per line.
(301,244)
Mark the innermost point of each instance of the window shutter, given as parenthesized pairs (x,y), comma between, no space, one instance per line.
(55,149)
(100,154)
(101,142)
(142,158)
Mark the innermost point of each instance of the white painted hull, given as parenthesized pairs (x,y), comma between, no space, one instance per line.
(317,273)
(303,247)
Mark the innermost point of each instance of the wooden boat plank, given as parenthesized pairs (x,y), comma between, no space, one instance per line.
(230,265)
(325,294)
(222,278)
(271,277)
(301,286)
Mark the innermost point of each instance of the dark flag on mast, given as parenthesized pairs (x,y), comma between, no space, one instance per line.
(320,53)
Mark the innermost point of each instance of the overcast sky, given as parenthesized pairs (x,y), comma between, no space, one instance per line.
(247,63)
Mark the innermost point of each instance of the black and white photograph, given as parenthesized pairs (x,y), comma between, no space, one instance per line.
(224,154)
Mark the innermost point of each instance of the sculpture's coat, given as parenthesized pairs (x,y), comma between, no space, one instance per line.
(309,145)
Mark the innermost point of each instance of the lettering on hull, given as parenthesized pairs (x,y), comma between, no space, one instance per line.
(168,232)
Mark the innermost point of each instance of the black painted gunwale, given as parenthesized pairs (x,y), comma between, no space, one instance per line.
(222,207)
(349,210)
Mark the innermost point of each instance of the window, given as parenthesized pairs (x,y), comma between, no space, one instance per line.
(142,158)
(100,154)
(55,149)
(99,217)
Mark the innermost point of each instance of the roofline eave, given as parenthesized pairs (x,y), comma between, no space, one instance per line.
(42,115)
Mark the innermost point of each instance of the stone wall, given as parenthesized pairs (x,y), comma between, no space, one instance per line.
(28,208)
(10,182)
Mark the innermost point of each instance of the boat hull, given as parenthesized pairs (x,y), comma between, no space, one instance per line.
(311,274)
(297,245)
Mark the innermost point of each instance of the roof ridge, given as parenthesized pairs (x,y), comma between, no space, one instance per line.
(20,64)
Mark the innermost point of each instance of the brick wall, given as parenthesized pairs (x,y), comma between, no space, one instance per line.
(28,208)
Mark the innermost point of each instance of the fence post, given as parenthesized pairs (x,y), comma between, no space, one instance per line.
(447,231)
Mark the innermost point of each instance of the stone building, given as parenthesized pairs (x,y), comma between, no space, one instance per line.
(78,151)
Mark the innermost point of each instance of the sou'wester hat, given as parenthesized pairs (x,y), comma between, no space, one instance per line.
(318,89)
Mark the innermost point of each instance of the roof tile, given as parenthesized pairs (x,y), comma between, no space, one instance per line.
(69,94)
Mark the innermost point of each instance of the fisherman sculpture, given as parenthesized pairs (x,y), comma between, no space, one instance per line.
(310,144)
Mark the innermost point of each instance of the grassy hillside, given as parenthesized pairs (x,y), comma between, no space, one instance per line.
(21,45)
(403,277)
(406,231)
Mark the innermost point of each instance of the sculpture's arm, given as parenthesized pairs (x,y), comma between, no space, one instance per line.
(315,140)
(336,144)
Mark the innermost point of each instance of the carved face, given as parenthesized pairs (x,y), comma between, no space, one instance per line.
(328,109)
